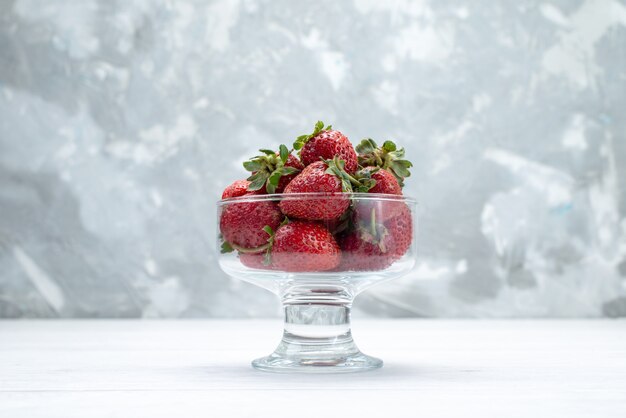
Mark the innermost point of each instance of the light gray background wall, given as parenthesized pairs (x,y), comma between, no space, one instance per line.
(121,121)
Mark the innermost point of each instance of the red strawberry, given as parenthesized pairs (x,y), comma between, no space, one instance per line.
(238,188)
(254,260)
(326,143)
(242,223)
(341,224)
(386,182)
(293,162)
(315,178)
(380,210)
(388,157)
(304,246)
(400,228)
(361,254)
(376,247)
(329,177)
(272,171)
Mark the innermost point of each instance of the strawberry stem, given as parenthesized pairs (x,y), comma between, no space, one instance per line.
(353,180)
(349,183)
(250,250)
(374,233)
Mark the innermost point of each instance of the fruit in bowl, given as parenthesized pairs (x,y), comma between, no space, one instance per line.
(317,224)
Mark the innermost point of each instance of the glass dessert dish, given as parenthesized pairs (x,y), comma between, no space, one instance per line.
(316,262)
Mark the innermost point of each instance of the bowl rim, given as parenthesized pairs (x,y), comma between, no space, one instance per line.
(317,195)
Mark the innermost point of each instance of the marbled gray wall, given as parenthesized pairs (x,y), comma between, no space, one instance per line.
(120,123)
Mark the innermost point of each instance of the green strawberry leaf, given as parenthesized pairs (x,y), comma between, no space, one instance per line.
(398,154)
(400,169)
(348,183)
(267,257)
(285,171)
(300,141)
(366,185)
(226,248)
(388,157)
(389,146)
(257,181)
(274,178)
(268,165)
(272,181)
(252,165)
(366,146)
(303,139)
(365,180)
(284,153)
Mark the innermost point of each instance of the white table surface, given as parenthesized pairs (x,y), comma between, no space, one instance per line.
(433,368)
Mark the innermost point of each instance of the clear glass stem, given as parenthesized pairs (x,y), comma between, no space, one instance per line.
(317,336)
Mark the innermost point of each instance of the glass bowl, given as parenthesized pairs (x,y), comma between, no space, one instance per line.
(317,266)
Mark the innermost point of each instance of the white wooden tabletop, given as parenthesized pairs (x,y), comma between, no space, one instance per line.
(433,368)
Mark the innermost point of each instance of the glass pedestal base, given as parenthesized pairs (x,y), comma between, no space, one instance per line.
(317,339)
(353,363)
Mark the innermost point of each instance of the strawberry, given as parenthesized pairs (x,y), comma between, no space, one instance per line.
(341,224)
(385,183)
(259,257)
(319,177)
(300,246)
(326,143)
(255,260)
(388,157)
(272,171)
(242,224)
(400,227)
(377,246)
(361,254)
(238,188)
